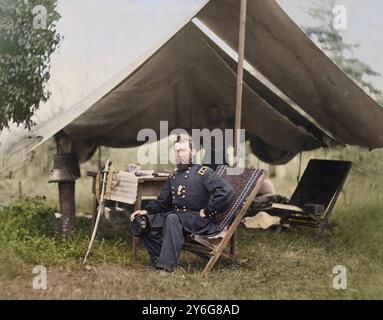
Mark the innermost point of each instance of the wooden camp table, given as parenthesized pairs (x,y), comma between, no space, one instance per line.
(148,186)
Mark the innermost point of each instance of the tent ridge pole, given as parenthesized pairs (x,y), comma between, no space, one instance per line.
(241,56)
(238,103)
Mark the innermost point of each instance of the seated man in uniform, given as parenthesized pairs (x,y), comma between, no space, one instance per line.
(191,196)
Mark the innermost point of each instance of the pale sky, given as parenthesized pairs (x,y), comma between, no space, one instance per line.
(101,38)
(364,27)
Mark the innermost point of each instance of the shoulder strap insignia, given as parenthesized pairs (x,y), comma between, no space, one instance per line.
(202,170)
(173,174)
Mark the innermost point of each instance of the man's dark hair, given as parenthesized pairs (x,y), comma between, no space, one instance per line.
(188,140)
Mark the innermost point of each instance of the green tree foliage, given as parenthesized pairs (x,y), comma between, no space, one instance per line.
(331,42)
(28,37)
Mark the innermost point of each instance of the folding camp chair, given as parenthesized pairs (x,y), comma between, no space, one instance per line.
(315,196)
(246,186)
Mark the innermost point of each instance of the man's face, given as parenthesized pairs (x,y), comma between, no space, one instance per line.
(183,152)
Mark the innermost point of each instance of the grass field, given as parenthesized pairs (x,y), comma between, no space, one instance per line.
(290,265)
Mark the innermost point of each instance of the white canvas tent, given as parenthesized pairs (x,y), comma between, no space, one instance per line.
(294,97)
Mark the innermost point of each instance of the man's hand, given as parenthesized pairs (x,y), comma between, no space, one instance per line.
(202,213)
(138,212)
